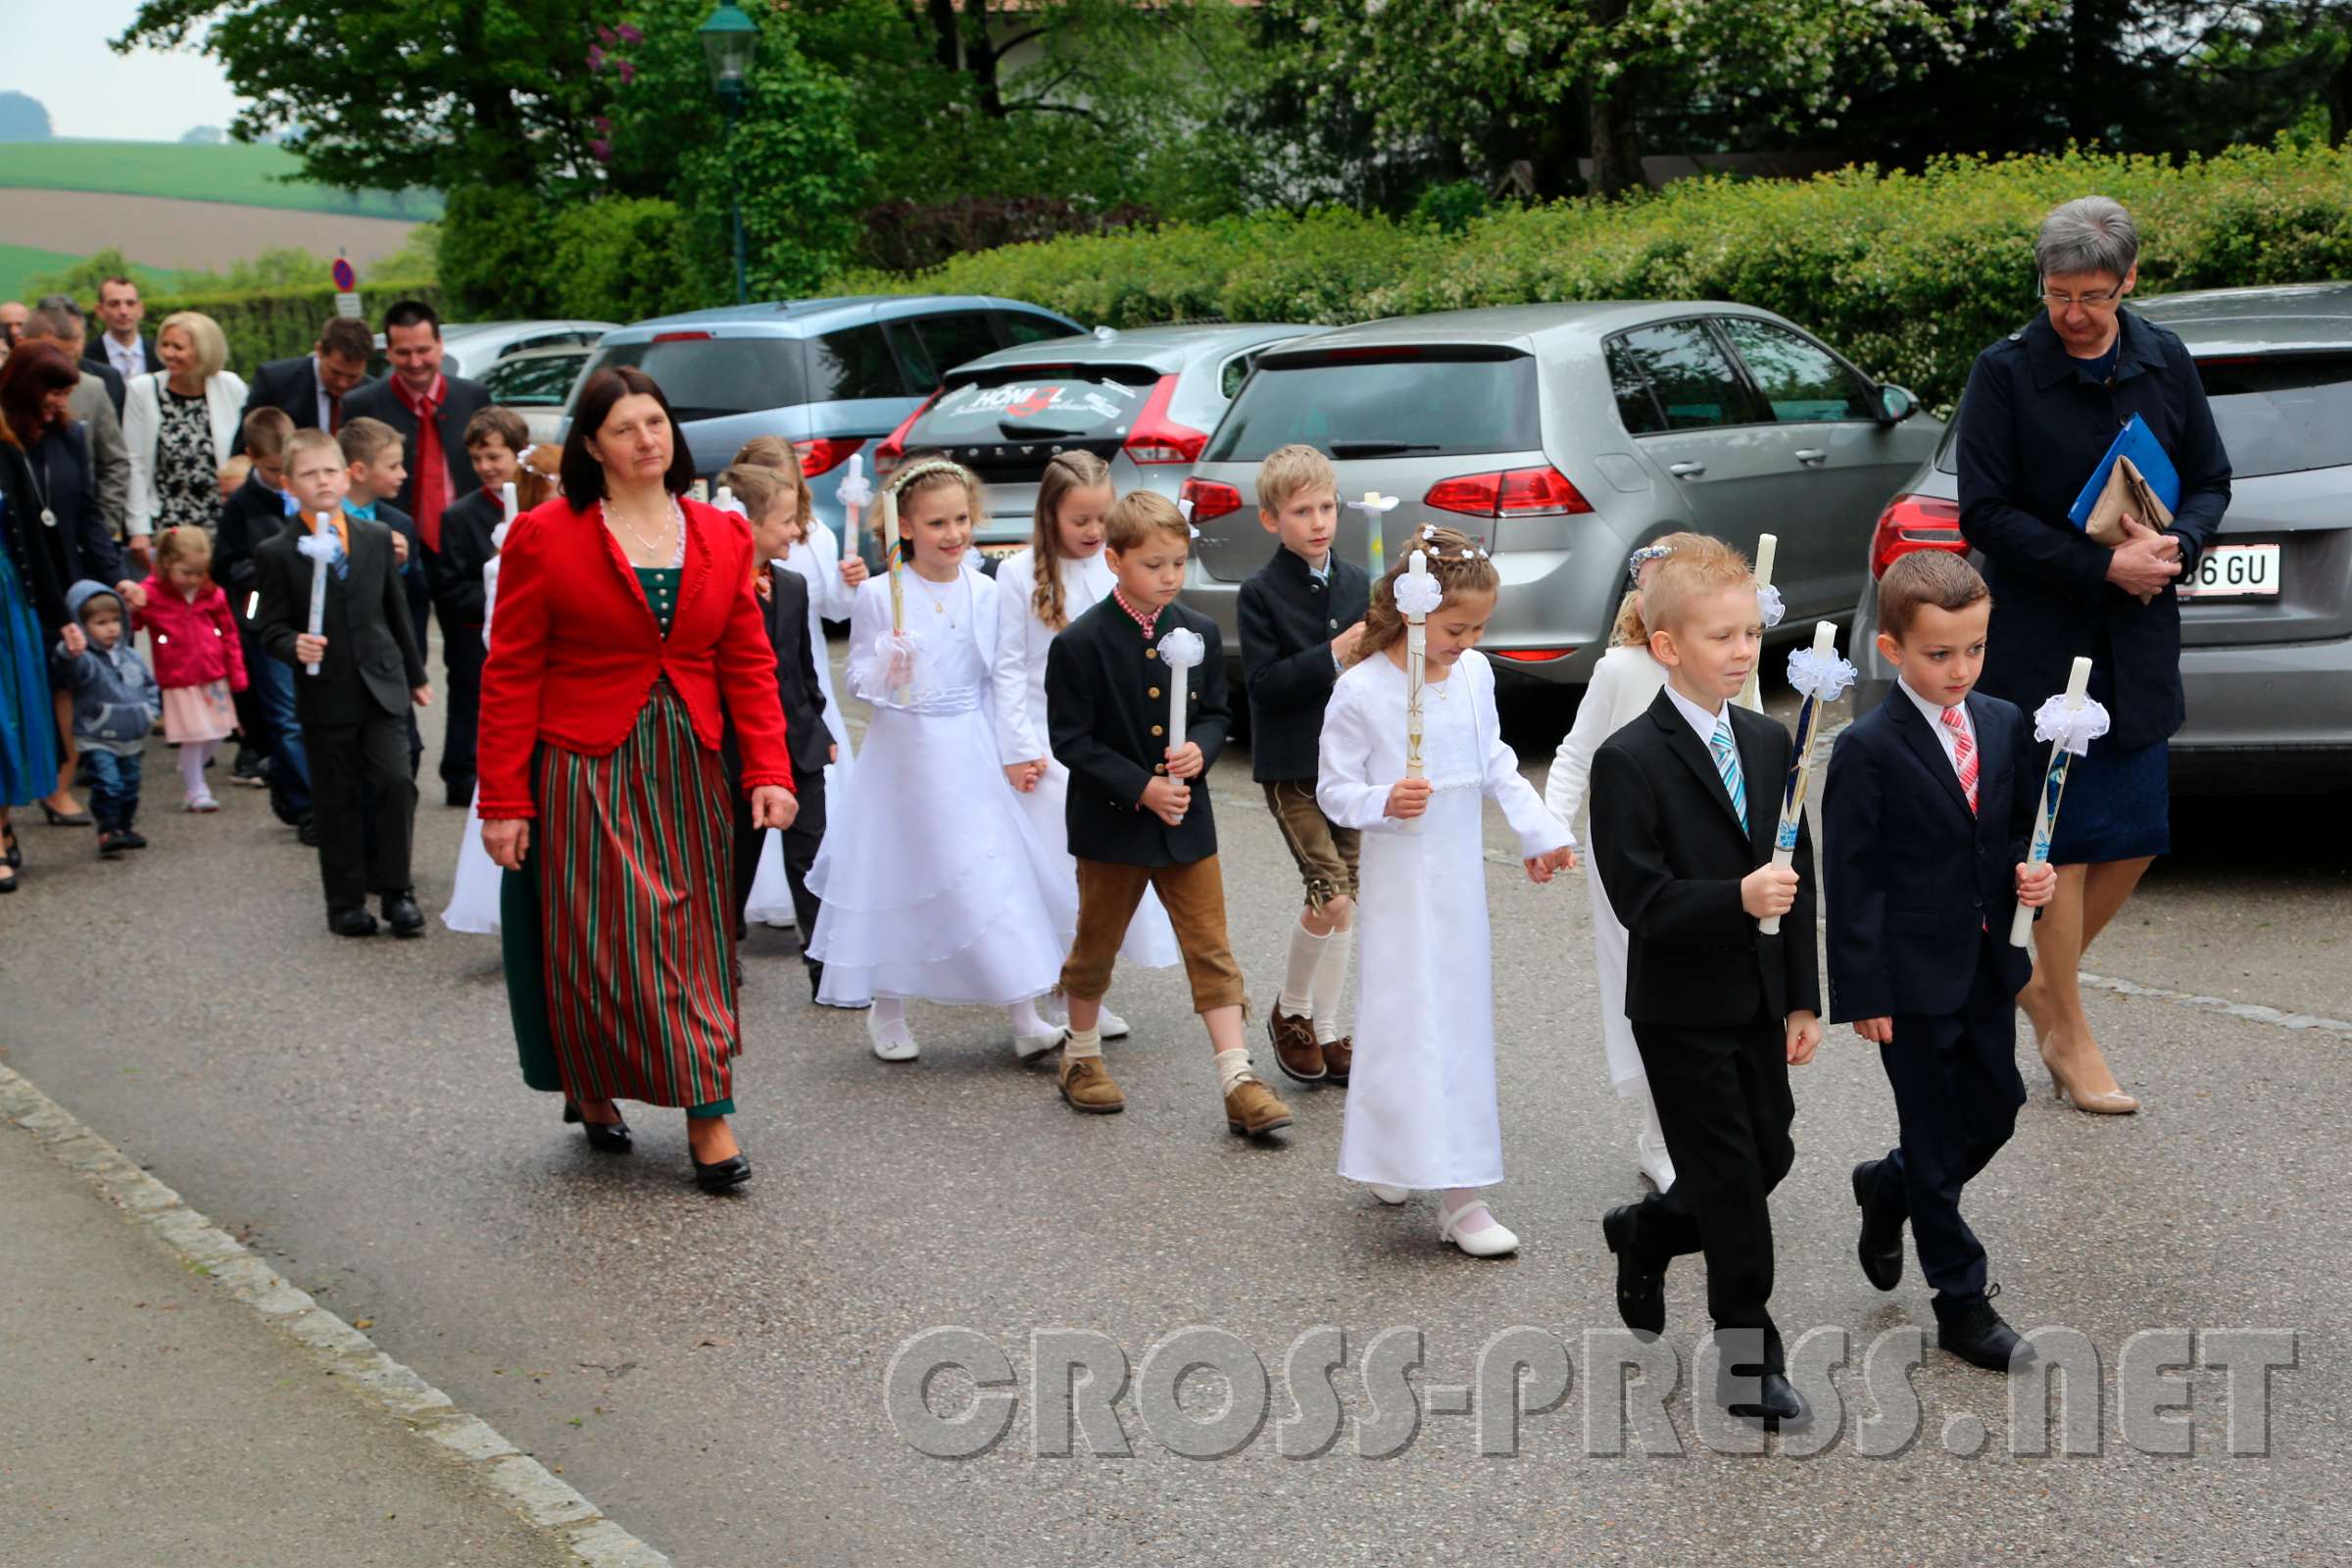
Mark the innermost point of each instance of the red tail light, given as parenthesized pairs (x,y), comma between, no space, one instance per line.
(826,452)
(894,445)
(1157,438)
(1530,656)
(1515,493)
(1211,499)
(1914,523)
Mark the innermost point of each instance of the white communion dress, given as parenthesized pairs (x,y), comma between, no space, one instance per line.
(1421,1100)
(934,885)
(1020,701)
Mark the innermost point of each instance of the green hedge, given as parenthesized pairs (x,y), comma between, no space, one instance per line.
(280,324)
(1909,273)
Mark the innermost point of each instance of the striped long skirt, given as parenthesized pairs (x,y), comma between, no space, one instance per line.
(619,945)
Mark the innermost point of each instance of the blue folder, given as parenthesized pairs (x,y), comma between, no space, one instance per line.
(2138,443)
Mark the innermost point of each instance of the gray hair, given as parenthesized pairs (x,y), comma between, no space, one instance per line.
(2088,234)
(49,321)
(64,303)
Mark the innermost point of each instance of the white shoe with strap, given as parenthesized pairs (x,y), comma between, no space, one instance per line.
(1487,1240)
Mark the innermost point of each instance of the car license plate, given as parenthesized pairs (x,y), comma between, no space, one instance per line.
(1006,551)
(2235,571)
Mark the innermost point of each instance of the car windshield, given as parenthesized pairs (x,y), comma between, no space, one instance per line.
(533,382)
(1035,403)
(711,377)
(1437,401)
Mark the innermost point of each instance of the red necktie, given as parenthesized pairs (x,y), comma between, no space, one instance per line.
(334,414)
(1964,755)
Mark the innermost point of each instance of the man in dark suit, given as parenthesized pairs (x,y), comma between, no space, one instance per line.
(1684,812)
(430,410)
(312,388)
(120,346)
(355,710)
(1930,801)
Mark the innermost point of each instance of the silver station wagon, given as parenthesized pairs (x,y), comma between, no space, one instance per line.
(1562,436)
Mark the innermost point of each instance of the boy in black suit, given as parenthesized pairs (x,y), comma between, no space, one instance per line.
(378,462)
(1929,802)
(1685,808)
(355,712)
(1299,617)
(1136,818)
(495,440)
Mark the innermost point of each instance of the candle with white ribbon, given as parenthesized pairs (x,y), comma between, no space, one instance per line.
(1180,650)
(725,501)
(2070,723)
(1768,609)
(854,494)
(1819,677)
(1418,593)
(1374,507)
(321,548)
(510,505)
(890,551)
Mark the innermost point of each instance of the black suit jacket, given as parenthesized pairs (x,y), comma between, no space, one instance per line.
(1286,620)
(253,513)
(1916,880)
(373,661)
(415,577)
(1667,842)
(291,385)
(798,689)
(456,568)
(95,349)
(1106,713)
(109,377)
(461,402)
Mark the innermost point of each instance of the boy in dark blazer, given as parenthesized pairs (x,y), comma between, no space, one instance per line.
(355,712)
(1139,812)
(1686,805)
(1299,617)
(379,463)
(495,439)
(1929,802)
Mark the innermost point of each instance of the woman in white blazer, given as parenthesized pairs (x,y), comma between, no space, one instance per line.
(180,423)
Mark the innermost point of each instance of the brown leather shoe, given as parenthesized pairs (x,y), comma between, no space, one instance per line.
(1337,1057)
(1295,1049)
(1250,1108)
(1086,1086)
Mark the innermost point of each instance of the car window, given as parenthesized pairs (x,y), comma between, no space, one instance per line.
(711,377)
(1023,328)
(533,383)
(2281,413)
(1692,378)
(1635,405)
(1044,403)
(856,363)
(1234,371)
(1434,403)
(1802,382)
(954,339)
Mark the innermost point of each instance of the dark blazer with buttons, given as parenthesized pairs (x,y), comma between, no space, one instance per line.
(1107,718)
(1287,619)
(1916,879)
(797,688)
(293,385)
(373,661)
(1667,842)
(455,570)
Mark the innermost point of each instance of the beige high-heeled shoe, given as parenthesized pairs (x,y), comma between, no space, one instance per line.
(2105,1103)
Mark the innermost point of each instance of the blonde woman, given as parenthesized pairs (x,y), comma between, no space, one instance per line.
(178,423)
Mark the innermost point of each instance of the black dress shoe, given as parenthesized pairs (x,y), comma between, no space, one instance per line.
(402,914)
(351,922)
(722,1175)
(132,839)
(1772,1400)
(307,830)
(1881,1245)
(605,1137)
(816,978)
(110,846)
(1641,1289)
(1977,1335)
(58,819)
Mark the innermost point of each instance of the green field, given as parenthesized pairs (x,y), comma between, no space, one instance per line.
(20,262)
(231,171)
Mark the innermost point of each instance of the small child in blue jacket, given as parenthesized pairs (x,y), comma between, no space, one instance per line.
(116,704)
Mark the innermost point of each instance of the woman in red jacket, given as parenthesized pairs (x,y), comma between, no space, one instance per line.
(627,638)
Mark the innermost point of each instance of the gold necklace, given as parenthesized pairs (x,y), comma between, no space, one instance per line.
(939,607)
(661,552)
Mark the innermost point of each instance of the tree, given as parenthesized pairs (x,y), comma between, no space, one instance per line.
(204,136)
(23,118)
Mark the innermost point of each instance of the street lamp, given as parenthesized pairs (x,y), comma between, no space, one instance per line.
(729,37)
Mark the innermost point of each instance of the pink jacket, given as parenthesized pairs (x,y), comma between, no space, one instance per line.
(195,642)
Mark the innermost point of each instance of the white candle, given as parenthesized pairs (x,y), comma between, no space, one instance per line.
(1768,551)
(508,499)
(853,494)
(1374,511)
(1416,656)
(1801,761)
(321,548)
(1179,677)
(2053,787)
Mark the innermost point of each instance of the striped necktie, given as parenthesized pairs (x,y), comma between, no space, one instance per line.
(1727,763)
(1964,755)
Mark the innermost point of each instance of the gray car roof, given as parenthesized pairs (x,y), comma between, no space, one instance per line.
(1525,325)
(803,317)
(2261,319)
(1163,348)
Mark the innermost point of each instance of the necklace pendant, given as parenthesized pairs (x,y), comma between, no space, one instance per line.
(48,518)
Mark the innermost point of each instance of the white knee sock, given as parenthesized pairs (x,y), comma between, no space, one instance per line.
(1297,998)
(193,755)
(1331,982)
(890,1019)
(1026,1021)
(1081,1044)
(1232,1067)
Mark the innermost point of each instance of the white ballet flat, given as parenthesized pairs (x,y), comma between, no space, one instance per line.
(1656,1163)
(1110,1026)
(780,922)
(1391,1196)
(1028,1047)
(890,1050)
(1490,1240)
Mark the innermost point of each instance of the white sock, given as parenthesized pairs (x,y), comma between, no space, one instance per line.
(1082,1043)
(1297,998)
(193,755)
(1331,983)
(1026,1021)
(1474,1216)
(890,1019)
(1232,1067)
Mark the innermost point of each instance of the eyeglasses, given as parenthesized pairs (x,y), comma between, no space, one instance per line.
(2105,301)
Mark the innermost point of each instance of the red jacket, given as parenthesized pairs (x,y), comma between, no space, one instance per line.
(575,650)
(195,642)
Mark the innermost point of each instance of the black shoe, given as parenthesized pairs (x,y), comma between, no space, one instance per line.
(58,819)
(402,914)
(728,1174)
(605,1137)
(132,839)
(1772,1401)
(11,855)
(1881,1245)
(1641,1289)
(1977,1335)
(247,768)
(460,793)
(351,922)
(110,846)
(816,978)
(307,830)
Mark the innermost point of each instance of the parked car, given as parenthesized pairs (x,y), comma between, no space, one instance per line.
(537,384)
(1144,401)
(832,375)
(1561,437)
(470,348)
(2265,624)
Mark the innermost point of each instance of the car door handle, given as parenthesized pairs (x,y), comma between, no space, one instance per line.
(1811,454)
(1686,471)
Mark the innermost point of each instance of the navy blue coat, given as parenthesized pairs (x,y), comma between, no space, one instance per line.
(2032,428)
(1107,721)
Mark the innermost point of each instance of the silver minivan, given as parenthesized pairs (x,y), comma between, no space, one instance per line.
(1562,436)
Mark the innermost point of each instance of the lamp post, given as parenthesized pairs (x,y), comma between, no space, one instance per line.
(729,37)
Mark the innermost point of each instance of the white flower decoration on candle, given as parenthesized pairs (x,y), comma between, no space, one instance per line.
(1813,672)
(1184,506)
(856,489)
(2074,728)
(1767,604)
(1182,649)
(1419,594)
(1374,505)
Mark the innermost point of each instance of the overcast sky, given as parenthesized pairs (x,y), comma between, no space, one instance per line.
(57,53)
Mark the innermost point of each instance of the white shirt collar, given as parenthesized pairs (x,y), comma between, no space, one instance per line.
(1697,717)
(1934,714)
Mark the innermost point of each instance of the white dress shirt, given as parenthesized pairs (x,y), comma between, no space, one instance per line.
(1698,717)
(129,359)
(1933,715)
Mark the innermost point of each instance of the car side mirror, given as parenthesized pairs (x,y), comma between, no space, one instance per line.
(1895,405)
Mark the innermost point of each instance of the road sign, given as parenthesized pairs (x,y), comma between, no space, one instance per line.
(346,279)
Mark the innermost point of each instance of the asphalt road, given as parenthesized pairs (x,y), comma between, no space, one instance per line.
(710,1372)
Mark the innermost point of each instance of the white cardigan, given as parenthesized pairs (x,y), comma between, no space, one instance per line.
(1624,684)
(143,425)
